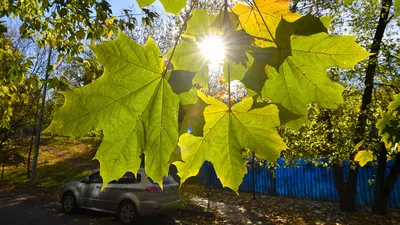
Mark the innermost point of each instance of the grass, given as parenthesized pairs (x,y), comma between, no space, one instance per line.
(61,160)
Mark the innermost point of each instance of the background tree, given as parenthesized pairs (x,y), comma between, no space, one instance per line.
(63,26)
(377,77)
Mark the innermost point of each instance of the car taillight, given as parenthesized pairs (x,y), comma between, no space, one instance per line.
(153,189)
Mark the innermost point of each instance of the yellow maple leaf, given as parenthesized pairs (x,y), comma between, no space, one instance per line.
(272,12)
(363,157)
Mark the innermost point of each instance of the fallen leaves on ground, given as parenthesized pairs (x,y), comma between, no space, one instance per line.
(266,209)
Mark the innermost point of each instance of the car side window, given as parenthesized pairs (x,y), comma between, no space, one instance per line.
(129,178)
(95,178)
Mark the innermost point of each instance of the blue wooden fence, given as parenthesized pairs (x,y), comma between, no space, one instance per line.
(304,180)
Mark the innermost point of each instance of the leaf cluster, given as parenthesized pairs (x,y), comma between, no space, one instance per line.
(281,57)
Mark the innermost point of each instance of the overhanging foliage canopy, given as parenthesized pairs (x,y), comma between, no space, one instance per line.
(282,57)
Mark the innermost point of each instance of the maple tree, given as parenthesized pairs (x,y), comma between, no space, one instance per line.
(375,23)
(283,62)
(389,131)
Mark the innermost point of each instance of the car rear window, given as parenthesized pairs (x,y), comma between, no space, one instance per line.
(166,180)
(129,178)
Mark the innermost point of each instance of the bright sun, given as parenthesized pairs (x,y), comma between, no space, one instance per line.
(212,47)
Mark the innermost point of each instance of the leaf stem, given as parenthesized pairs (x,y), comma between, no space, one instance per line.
(179,36)
(226,15)
(226,21)
(229,86)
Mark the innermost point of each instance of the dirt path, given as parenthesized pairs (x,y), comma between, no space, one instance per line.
(231,213)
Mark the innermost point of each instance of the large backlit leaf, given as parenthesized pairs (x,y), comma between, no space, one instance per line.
(226,133)
(296,53)
(223,21)
(171,6)
(275,55)
(189,97)
(134,106)
(271,10)
(302,78)
(200,23)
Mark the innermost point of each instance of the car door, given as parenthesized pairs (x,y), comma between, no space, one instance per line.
(91,191)
(108,198)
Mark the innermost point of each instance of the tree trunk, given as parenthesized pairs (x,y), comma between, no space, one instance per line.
(346,189)
(351,188)
(340,185)
(382,193)
(366,99)
(371,70)
(32,139)
(28,173)
(40,122)
(252,175)
(380,205)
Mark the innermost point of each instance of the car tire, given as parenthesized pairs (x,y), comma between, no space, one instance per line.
(69,203)
(127,212)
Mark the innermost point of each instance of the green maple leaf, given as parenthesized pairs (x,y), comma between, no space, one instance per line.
(226,133)
(189,97)
(295,58)
(275,55)
(200,23)
(389,125)
(394,106)
(132,103)
(302,77)
(171,6)
(229,20)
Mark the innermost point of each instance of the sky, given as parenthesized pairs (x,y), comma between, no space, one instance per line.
(118,5)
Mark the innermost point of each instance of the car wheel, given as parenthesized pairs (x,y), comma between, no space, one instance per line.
(127,212)
(69,203)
